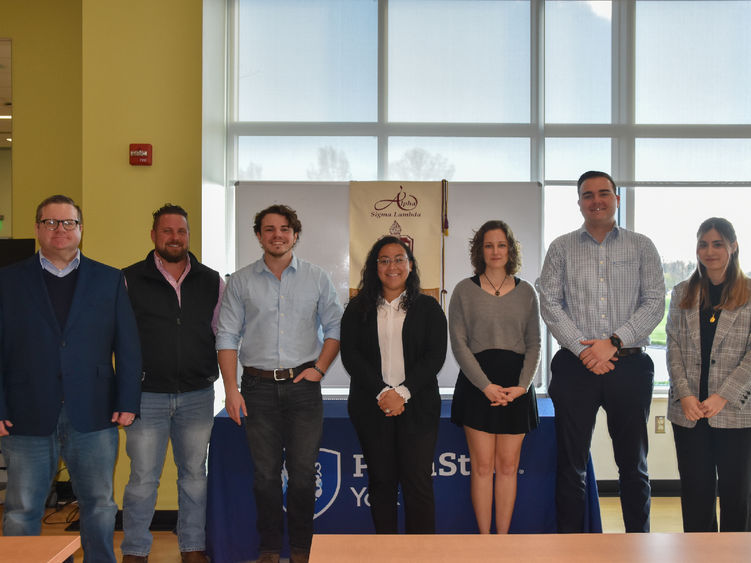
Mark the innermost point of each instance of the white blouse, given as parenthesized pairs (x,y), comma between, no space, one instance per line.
(390,323)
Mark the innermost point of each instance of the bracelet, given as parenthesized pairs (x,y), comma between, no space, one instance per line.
(319,370)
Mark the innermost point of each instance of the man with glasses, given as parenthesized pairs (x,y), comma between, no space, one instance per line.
(176,301)
(602,292)
(62,317)
(272,312)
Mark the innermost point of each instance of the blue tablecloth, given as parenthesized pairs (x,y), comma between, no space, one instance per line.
(341,505)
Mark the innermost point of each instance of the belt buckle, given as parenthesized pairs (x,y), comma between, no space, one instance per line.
(287,370)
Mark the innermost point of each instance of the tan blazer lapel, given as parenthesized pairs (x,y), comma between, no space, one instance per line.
(724,323)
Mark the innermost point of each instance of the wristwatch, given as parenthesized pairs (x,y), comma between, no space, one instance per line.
(616,341)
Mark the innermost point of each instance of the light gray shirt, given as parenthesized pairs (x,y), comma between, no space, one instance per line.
(591,290)
(480,321)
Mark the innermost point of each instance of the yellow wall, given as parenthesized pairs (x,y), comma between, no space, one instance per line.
(141,84)
(89,78)
(47,85)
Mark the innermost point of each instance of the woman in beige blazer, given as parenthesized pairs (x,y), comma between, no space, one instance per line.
(709,361)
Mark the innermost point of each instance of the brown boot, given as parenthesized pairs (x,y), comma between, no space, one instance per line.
(299,555)
(194,557)
(268,557)
(135,558)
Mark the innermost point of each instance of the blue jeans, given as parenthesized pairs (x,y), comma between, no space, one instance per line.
(283,418)
(32,464)
(186,419)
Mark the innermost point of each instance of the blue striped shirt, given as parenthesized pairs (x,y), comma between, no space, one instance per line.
(591,290)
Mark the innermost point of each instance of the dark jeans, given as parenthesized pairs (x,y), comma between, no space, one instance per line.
(626,394)
(712,459)
(396,456)
(283,419)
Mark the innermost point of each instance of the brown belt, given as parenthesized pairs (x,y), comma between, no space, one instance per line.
(623,352)
(280,374)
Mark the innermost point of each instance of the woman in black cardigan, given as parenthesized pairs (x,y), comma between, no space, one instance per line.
(393,344)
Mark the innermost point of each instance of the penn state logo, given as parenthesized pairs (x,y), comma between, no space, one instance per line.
(328,476)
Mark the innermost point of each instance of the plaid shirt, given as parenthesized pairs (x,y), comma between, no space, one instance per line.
(591,290)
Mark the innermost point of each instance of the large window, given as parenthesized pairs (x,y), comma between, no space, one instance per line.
(656,92)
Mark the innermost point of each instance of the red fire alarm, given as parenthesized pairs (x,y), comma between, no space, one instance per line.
(140,154)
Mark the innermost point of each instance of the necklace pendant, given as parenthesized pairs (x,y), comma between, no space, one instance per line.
(712,319)
(498,293)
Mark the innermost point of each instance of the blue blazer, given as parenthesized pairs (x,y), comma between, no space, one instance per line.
(44,367)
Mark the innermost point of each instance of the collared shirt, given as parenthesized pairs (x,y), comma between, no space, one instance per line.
(52,269)
(591,290)
(278,323)
(390,323)
(177,284)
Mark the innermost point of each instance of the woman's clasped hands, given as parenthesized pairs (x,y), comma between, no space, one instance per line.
(391,403)
(502,396)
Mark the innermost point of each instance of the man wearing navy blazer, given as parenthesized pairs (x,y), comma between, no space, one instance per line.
(62,317)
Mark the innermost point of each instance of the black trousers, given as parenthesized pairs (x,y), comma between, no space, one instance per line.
(712,460)
(399,456)
(626,395)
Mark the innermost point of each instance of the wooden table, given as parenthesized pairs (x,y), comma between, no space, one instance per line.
(613,548)
(38,549)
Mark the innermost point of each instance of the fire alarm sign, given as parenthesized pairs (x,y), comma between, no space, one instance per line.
(140,154)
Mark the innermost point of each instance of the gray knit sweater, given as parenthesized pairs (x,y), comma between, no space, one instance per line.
(480,321)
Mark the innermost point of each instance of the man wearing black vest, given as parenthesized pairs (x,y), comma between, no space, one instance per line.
(176,301)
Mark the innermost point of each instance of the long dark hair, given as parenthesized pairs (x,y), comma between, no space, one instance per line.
(369,293)
(735,292)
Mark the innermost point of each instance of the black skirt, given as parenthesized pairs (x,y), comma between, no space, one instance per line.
(471,407)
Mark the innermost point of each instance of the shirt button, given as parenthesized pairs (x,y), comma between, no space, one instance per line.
(602,316)
(602,279)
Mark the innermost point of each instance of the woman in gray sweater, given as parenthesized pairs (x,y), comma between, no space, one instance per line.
(495,336)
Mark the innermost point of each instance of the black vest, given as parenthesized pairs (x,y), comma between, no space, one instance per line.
(177,343)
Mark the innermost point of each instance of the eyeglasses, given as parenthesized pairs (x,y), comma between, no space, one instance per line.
(398,260)
(68,224)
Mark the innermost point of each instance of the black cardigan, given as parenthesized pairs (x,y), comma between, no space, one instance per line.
(424,339)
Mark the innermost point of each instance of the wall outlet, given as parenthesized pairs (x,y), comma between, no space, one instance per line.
(659,425)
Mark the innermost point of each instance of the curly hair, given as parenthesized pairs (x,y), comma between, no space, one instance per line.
(514,262)
(735,292)
(285,211)
(370,288)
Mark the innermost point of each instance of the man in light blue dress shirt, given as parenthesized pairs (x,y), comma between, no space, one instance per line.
(602,292)
(280,316)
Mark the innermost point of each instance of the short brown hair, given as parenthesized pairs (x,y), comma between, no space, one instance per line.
(58,199)
(514,262)
(594,174)
(168,209)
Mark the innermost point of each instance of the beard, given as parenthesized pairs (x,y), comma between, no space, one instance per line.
(173,255)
